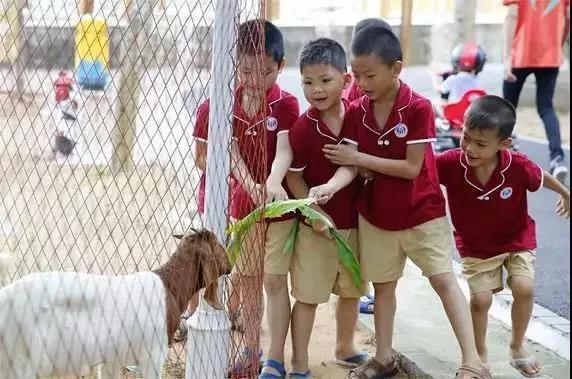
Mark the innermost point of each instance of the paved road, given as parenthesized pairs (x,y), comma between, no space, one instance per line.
(553,256)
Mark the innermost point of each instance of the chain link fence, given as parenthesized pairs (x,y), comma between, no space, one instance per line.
(97,172)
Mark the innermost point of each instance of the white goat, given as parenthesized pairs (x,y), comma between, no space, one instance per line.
(65,323)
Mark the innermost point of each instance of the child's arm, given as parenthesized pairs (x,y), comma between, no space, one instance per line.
(344,175)
(280,165)
(563,205)
(201,155)
(238,169)
(299,189)
(240,172)
(407,168)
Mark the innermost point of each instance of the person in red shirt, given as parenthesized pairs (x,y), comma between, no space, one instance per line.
(261,155)
(401,209)
(316,271)
(353,92)
(535,32)
(487,187)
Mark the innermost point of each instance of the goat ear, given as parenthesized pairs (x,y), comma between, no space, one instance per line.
(211,272)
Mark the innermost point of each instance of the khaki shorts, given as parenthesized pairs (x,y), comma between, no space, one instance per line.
(487,274)
(268,238)
(383,252)
(316,271)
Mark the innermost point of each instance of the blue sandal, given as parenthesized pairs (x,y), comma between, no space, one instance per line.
(366,305)
(279,367)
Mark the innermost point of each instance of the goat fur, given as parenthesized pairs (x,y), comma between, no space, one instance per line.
(65,323)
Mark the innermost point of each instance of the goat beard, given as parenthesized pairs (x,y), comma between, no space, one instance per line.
(211,295)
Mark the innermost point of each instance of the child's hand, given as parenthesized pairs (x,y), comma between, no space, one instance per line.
(341,155)
(256,193)
(322,193)
(275,192)
(563,207)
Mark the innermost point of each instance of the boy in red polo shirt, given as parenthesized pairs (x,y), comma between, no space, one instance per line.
(487,186)
(261,156)
(401,209)
(316,271)
(353,92)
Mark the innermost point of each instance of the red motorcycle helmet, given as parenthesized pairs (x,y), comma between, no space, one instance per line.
(468,56)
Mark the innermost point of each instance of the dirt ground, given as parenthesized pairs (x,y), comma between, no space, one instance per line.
(323,342)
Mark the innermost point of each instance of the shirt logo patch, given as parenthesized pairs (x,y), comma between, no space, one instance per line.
(401,130)
(506,193)
(272,124)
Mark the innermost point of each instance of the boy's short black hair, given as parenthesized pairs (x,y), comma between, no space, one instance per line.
(377,40)
(491,112)
(252,36)
(368,22)
(323,51)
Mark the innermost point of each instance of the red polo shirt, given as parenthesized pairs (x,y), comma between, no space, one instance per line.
(307,138)
(389,202)
(256,137)
(490,219)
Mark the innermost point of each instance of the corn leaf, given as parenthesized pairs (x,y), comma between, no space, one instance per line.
(347,258)
(279,208)
(292,236)
(271,210)
(275,209)
(314,215)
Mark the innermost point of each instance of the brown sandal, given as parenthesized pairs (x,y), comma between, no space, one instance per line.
(372,369)
(474,373)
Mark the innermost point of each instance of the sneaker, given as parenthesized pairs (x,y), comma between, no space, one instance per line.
(558,169)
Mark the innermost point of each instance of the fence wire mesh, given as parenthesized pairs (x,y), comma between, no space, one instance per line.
(98,170)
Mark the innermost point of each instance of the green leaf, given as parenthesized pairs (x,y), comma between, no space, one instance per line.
(275,209)
(246,222)
(279,208)
(313,215)
(292,236)
(347,258)
(233,248)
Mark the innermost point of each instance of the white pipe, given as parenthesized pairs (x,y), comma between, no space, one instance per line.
(209,329)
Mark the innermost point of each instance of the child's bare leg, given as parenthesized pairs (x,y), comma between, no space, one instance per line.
(251,314)
(246,313)
(523,293)
(480,305)
(384,315)
(346,319)
(278,316)
(303,316)
(457,311)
